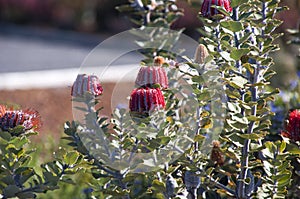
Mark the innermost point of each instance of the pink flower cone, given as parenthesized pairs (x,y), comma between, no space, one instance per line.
(292,127)
(208,11)
(86,83)
(151,75)
(144,100)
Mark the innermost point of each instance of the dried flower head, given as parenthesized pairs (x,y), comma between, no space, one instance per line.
(86,83)
(292,126)
(151,75)
(29,119)
(216,154)
(144,100)
(201,54)
(208,10)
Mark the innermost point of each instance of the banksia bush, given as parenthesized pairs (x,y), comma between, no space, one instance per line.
(19,179)
(205,124)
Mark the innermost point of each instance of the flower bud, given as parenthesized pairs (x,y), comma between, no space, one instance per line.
(29,119)
(201,54)
(292,126)
(150,75)
(158,61)
(208,11)
(144,100)
(86,83)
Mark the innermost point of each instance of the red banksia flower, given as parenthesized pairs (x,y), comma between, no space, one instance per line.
(151,75)
(29,119)
(86,83)
(292,127)
(208,11)
(144,100)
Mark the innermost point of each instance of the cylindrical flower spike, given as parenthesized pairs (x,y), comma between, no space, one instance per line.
(292,127)
(208,11)
(201,54)
(150,75)
(144,100)
(86,83)
(29,119)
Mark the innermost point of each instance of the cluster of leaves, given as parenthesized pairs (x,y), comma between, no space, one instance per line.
(241,43)
(286,101)
(253,164)
(18,178)
(158,14)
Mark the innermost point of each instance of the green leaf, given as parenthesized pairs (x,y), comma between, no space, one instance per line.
(236,125)
(71,157)
(11,191)
(5,135)
(26,195)
(226,56)
(50,178)
(252,136)
(158,186)
(238,82)
(199,138)
(233,107)
(236,54)
(293,149)
(234,26)
(269,150)
(282,146)
(19,142)
(284,180)
(233,94)
(237,140)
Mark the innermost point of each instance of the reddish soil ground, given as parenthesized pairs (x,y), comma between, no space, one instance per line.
(54,105)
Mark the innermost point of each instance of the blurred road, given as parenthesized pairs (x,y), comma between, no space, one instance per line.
(33,57)
(28,49)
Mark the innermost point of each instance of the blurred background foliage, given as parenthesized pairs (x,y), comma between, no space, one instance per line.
(101,17)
